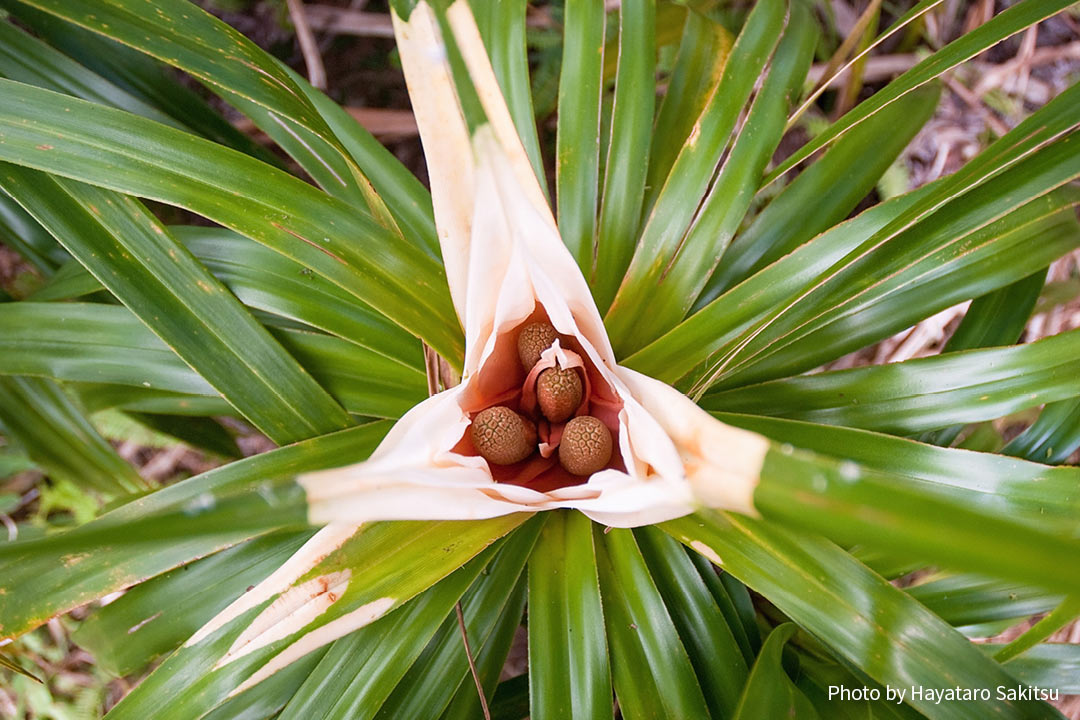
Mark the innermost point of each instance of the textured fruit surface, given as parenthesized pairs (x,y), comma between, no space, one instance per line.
(534,339)
(559,393)
(501,436)
(585,447)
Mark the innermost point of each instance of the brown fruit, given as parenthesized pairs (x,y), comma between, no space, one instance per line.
(534,339)
(501,436)
(585,447)
(559,393)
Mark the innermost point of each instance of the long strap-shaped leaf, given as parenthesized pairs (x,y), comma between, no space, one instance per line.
(709,640)
(651,670)
(671,356)
(94,144)
(947,259)
(265,280)
(44,577)
(858,615)
(29,60)
(137,259)
(577,143)
(157,616)
(826,192)
(182,34)
(442,671)
(920,394)
(360,670)
(694,168)
(957,529)
(343,579)
(140,75)
(769,691)
(101,343)
(568,663)
(1011,487)
(1009,22)
(37,415)
(628,149)
(502,25)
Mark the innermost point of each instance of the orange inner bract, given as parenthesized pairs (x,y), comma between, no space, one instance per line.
(503,381)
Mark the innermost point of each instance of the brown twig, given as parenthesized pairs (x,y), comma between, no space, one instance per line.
(472,663)
(975,103)
(343,21)
(308,46)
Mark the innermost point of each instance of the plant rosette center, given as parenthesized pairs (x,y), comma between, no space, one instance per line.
(544,416)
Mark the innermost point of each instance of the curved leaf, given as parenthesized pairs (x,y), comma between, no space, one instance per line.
(568,661)
(577,143)
(155,533)
(130,252)
(650,668)
(769,692)
(921,394)
(94,144)
(858,615)
(1001,26)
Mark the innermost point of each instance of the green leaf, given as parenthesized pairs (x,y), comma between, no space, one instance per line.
(852,505)
(81,342)
(364,573)
(511,699)
(973,599)
(202,433)
(687,184)
(1050,665)
(360,670)
(709,641)
(703,52)
(963,251)
(628,149)
(441,674)
(139,75)
(568,661)
(823,194)
(1005,486)
(21,233)
(740,309)
(490,662)
(264,280)
(920,394)
(741,317)
(650,668)
(1053,437)
(677,274)
(855,613)
(133,255)
(57,436)
(29,60)
(577,143)
(182,34)
(190,519)
(17,668)
(93,144)
(406,198)
(769,692)
(155,617)
(267,699)
(1064,614)
(1001,26)
(997,318)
